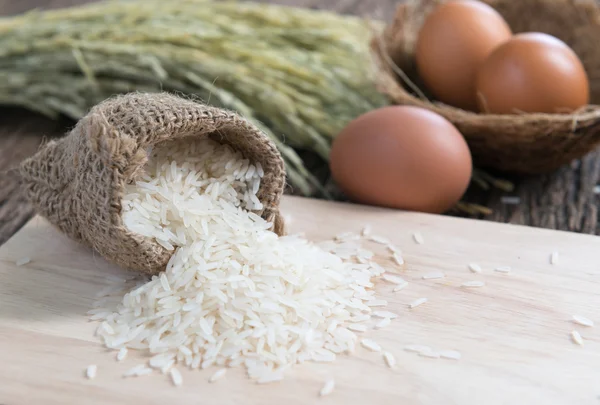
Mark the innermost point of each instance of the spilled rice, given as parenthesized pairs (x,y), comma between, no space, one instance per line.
(91,371)
(234,294)
(328,388)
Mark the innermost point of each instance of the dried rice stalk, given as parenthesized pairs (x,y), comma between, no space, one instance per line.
(304,74)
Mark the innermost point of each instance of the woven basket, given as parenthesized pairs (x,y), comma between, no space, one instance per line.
(517,143)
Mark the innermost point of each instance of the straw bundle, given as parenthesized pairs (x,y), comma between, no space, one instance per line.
(299,75)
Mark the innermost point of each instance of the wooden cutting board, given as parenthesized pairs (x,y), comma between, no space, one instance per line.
(513,333)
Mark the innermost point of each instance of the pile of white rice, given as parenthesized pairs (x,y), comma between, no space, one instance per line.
(233,293)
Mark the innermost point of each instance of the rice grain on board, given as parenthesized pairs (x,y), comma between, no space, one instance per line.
(122,354)
(328,388)
(417,302)
(475,268)
(431,354)
(393,279)
(366,231)
(176,377)
(398,259)
(400,287)
(133,372)
(234,293)
(23,261)
(473,284)
(576,337)
(379,239)
(384,314)
(357,327)
(389,359)
(384,323)
(417,348)
(370,345)
(450,354)
(433,276)
(90,371)
(217,375)
(583,321)
(418,238)
(394,249)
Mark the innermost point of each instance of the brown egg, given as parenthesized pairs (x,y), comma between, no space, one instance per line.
(402,157)
(455,39)
(532,72)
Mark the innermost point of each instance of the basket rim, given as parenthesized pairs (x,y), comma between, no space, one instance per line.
(390,83)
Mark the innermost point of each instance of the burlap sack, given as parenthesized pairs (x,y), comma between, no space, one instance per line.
(78,181)
(519,143)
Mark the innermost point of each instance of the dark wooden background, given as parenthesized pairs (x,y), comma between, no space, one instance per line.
(562,200)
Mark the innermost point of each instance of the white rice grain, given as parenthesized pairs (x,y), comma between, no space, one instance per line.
(379,239)
(430,354)
(503,269)
(554,258)
(176,377)
(384,314)
(328,388)
(377,303)
(473,284)
(475,268)
(270,378)
(433,276)
(357,327)
(122,354)
(400,287)
(417,348)
(143,371)
(217,375)
(167,367)
(393,279)
(389,359)
(576,337)
(418,238)
(23,261)
(164,281)
(384,323)
(398,259)
(583,321)
(132,372)
(417,302)
(370,345)
(394,249)
(450,354)
(366,231)
(90,371)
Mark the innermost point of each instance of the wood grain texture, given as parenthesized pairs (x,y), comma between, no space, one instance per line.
(562,200)
(513,333)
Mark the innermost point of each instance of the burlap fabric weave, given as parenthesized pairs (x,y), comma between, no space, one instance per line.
(77,182)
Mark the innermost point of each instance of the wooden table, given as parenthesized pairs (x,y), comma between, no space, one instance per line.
(513,333)
(563,200)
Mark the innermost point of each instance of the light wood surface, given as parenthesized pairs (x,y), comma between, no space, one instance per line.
(513,333)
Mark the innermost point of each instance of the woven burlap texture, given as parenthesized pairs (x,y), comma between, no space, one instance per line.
(519,143)
(77,182)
